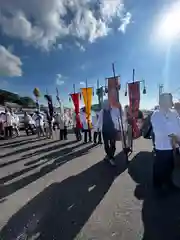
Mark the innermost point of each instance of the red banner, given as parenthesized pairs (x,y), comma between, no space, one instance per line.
(134,102)
(113,91)
(75,98)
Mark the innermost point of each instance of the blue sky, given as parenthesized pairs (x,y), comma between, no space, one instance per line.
(55,43)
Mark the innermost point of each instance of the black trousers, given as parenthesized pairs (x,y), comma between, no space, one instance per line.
(97,135)
(87,133)
(8,132)
(163,168)
(153,138)
(29,127)
(109,145)
(78,134)
(65,132)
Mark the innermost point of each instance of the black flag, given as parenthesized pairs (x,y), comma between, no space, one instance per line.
(50,104)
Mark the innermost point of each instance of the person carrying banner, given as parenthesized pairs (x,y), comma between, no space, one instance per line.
(49,125)
(108,125)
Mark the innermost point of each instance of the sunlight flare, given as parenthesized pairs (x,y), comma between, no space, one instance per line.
(169,24)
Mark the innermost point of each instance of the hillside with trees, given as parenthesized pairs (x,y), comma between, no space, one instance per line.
(6,96)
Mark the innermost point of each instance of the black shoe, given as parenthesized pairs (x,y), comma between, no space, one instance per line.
(112,162)
(106,159)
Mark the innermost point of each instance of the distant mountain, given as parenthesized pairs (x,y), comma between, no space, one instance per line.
(6,96)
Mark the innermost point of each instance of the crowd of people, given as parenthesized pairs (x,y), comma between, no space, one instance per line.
(163,128)
(38,123)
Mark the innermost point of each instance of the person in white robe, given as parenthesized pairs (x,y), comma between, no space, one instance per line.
(97,133)
(15,123)
(48,125)
(166,128)
(8,124)
(39,121)
(28,123)
(85,127)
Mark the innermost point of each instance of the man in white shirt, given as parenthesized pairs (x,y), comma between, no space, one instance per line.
(85,126)
(97,133)
(39,120)
(166,127)
(15,123)
(28,123)
(8,124)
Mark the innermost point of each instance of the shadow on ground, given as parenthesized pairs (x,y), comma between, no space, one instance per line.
(20,151)
(44,150)
(140,168)
(20,143)
(62,209)
(160,214)
(51,163)
(35,163)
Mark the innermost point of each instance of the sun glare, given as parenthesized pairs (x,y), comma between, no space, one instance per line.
(169,27)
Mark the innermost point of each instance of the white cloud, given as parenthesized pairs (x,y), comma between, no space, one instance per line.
(82,83)
(81,47)
(43,22)
(125,22)
(59,79)
(10,65)
(59,82)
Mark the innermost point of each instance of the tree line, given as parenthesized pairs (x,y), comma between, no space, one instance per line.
(6,96)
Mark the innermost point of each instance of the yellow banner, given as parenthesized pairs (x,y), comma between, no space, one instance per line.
(87,96)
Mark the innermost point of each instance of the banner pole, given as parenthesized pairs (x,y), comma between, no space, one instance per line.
(133,80)
(87,103)
(133,77)
(121,120)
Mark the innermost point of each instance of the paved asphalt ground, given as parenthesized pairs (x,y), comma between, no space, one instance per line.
(51,190)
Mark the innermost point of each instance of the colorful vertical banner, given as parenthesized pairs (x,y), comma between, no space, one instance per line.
(113,91)
(87,96)
(50,104)
(100,94)
(75,98)
(37,95)
(134,102)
